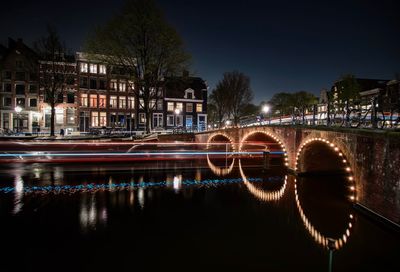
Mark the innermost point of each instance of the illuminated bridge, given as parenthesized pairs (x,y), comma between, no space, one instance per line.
(370,159)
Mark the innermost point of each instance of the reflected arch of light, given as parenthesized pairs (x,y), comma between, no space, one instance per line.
(318,237)
(261,194)
(212,136)
(242,142)
(341,157)
(220,171)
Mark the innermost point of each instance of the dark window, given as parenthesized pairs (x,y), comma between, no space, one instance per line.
(102,84)
(33,102)
(33,76)
(83,83)
(19,89)
(7,101)
(190,95)
(33,88)
(20,76)
(21,102)
(93,83)
(7,74)
(7,88)
(60,97)
(70,80)
(70,98)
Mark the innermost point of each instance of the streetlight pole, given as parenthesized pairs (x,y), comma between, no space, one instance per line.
(18,109)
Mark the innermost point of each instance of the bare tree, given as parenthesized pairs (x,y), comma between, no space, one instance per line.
(219,99)
(235,88)
(140,41)
(54,72)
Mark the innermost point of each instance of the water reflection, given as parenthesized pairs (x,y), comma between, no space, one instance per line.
(90,215)
(259,193)
(18,193)
(327,242)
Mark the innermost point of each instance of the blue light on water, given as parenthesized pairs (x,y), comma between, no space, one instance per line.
(121,186)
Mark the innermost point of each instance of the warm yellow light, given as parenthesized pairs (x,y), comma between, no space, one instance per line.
(348,169)
(332,145)
(350,178)
(352,188)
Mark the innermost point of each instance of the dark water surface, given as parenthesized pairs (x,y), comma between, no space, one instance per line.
(182,215)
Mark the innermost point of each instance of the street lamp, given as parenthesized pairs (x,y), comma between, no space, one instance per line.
(265,110)
(227,123)
(18,109)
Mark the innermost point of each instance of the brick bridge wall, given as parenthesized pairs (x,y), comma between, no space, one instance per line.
(373,158)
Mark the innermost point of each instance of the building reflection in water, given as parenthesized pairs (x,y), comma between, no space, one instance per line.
(91,214)
(18,193)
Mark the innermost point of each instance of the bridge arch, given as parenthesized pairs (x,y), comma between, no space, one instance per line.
(335,159)
(279,143)
(220,135)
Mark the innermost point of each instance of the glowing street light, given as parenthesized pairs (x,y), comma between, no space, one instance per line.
(177,111)
(18,110)
(266,109)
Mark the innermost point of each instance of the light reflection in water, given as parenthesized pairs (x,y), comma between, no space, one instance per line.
(141,197)
(18,194)
(90,214)
(318,237)
(259,193)
(177,183)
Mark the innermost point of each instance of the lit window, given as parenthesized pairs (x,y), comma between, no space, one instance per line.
(170,106)
(122,102)
(141,103)
(189,107)
(102,69)
(59,116)
(84,67)
(152,104)
(113,85)
(84,100)
(142,118)
(179,106)
(103,119)
(93,100)
(122,87)
(95,119)
(131,102)
(102,101)
(93,68)
(113,101)
(199,107)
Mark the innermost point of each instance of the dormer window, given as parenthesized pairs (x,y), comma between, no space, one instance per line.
(189,94)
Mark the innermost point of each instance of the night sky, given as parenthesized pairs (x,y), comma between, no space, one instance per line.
(282,45)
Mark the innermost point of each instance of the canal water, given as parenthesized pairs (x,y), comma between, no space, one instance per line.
(190,215)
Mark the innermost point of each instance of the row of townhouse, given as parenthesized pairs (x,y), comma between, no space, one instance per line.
(93,96)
